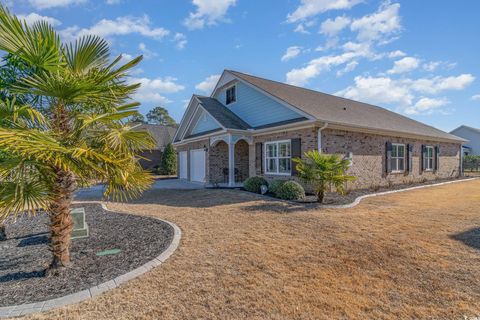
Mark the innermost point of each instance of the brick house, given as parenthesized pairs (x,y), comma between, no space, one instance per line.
(252,126)
(162,135)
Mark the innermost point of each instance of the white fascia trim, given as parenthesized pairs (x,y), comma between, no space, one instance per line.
(219,124)
(199,138)
(287,127)
(285,104)
(184,117)
(198,106)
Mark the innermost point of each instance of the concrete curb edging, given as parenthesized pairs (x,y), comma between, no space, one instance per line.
(360,198)
(29,308)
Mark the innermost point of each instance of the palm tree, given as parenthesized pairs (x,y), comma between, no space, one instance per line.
(12,115)
(322,170)
(83,136)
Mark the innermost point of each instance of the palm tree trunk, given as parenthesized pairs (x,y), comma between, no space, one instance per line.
(61,223)
(320,196)
(3,232)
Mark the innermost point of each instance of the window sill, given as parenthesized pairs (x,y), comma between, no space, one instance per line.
(277,174)
(398,172)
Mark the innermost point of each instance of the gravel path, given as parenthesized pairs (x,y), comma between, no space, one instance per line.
(24,256)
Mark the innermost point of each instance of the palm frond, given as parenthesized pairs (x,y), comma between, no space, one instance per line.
(87,53)
(38,45)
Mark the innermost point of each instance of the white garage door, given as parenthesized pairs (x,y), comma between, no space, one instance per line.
(182,164)
(197,165)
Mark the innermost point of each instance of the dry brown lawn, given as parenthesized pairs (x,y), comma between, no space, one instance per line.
(407,255)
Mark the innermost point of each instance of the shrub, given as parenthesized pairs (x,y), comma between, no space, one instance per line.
(322,171)
(291,190)
(168,165)
(275,185)
(253,184)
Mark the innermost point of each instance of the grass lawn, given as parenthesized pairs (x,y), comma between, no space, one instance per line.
(408,255)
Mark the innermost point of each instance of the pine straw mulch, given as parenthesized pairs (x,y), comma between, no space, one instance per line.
(407,255)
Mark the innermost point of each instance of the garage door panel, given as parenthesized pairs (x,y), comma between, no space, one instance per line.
(197,165)
(183,165)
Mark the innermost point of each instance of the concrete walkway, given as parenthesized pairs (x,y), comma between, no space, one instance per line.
(96,192)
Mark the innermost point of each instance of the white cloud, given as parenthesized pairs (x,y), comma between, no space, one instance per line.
(378,91)
(301,29)
(291,53)
(208,12)
(396,54)
(378,25)
(348,68)
(151,90)
(431,66)
(332,27)
(180,40)
(120,26)
(310,8)
(147,53)
(438,84)
(476,97)
(426,106)
(404,65)
(208,84)
(33,17)
(45,4)
(352,52)
(112,2)
(402,92)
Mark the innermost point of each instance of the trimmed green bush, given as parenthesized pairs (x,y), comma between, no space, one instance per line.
(253,184)
(291,190)
(168,165)
(275,185)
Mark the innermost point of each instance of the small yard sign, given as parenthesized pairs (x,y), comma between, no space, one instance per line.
(80,227)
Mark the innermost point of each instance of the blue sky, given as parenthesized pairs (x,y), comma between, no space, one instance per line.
(419,58)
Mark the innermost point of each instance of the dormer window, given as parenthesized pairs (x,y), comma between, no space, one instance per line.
(231,95)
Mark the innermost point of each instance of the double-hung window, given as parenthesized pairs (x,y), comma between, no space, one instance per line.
(398,157)
(278,157)
(231,95)
(428,158)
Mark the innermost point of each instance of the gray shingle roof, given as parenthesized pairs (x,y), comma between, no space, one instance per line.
(333,109)
(222,114)
(466,127)
(162,135)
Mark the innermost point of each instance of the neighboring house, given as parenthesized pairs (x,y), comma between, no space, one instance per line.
(472,146)
(252,126)
(162,135)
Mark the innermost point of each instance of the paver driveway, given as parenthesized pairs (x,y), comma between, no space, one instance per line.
(407,255)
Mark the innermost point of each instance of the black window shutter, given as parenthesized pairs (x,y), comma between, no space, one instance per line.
(437,158)
(424,157)
(388,157)
(296,145)
(259,157)
(409,157)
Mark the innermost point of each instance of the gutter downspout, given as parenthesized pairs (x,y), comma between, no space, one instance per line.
(319,138)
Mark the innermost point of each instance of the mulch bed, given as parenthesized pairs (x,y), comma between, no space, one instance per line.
(25,254)
(332,198)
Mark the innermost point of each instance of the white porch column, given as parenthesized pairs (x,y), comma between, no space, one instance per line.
(231,161)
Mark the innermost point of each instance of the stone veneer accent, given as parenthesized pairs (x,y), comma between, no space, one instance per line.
(369,158)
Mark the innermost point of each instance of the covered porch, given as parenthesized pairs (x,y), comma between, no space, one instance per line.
(229,160)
